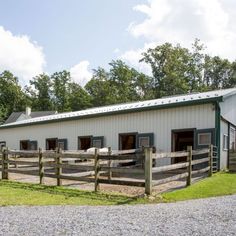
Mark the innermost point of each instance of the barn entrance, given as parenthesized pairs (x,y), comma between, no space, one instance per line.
(180,140)
(51,143)
(127,141)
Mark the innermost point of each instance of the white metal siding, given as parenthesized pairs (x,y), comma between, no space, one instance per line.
(224,153)
(160,122)
(228,109)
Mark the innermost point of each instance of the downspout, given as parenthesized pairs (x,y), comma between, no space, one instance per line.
(217,128)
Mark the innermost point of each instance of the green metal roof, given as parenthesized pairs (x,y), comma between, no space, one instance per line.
(166,102)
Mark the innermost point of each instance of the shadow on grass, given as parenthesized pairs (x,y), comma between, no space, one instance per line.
(69,193)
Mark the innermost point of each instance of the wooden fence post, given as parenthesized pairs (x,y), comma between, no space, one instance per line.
(5,164)
(189,160)
(41,167)
(96,169)
(148,171)
(109,164)
(210,160)
(58,166)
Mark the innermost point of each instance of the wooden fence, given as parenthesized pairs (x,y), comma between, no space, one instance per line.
(106,168)
(232,161)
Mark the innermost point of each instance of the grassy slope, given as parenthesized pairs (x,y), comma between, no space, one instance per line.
(12,193)
(219,184)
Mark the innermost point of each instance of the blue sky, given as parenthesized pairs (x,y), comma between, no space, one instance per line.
(52,35)
(71,31)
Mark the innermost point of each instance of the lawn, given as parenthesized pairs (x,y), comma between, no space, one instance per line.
(13,193)
(219,184)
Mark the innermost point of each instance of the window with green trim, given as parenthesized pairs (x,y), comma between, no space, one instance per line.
(62,144)
(225,142)
(204,139)
(28,145)
(145,140)
(98,142)
(2,145)
(33,145)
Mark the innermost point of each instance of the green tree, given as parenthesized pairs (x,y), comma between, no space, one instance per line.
(12,97)
(232,79)
(100,88)
(79,99)
(175,70)
(40,91)
(60,91)
(127,83)
(218,72)
(121,84)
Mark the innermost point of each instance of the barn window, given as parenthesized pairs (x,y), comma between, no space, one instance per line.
(28,145)
(51,143)
(98,142)
(2,145)
(24,145)
(62,144)
(225,142)
(127,141)
(204,139)
(33,145)
(145,140)
(84,142)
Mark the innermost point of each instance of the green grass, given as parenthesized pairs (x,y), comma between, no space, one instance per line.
(219,184)
(14,193)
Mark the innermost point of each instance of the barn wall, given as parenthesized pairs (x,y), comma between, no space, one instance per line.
(160,122)
(228,109)
(224,152)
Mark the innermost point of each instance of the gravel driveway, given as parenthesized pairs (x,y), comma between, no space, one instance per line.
(213,216)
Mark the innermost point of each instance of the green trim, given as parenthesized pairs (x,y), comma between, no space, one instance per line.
(201,131)
(218,131)
(64,141)
(145,135)
(35,143)
(98,138)
(157,107)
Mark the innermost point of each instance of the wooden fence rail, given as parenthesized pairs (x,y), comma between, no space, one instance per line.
(232,161)
(100,167)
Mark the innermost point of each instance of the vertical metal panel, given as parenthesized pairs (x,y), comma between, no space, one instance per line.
(224,153)
(228,109)
(159,122)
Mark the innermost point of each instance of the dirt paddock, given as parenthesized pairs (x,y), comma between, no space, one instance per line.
(128,190)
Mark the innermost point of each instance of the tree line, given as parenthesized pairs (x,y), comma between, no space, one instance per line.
(175,70)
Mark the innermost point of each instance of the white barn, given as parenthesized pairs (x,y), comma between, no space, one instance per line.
(168,124)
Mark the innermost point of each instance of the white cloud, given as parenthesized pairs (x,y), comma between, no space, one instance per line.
(134,56)
(181,21)
(20,55)
(80,73)
(116,50)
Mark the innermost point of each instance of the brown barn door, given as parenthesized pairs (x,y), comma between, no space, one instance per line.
(180,140)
